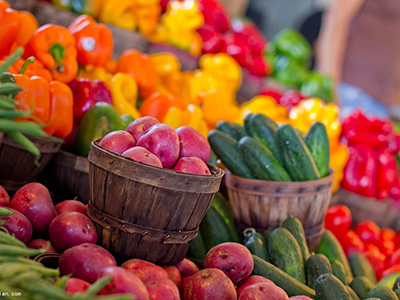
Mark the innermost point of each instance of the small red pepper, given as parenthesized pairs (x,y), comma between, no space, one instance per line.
(385,175)
(274,93)
(212,40)
(215,15)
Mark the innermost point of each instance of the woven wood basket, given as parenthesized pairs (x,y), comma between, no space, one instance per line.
(146,212)
(17,166)
(383,213)
(70,173)
(263,204)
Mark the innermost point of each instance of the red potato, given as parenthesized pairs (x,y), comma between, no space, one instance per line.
(70,206)
(76,285)
(71,229)
(123,282)
(174,275)
(209,284)
(163,290)
(163,142)
(85,261)
(250,281)
(192,165)
(145,270)
(184,283)
(232,258)
(187,268)
(4,197)
(263,290)
(193,144)
(143,155)
(34,201)
(300,298)
(19,225)
(140,126)
(41,244)
(118,141)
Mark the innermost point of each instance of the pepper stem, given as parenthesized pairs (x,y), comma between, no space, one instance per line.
(58,53)
(30,60)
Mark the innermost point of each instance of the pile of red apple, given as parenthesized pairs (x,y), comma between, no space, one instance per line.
(147,141)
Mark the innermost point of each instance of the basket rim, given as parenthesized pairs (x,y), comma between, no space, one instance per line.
(215,171)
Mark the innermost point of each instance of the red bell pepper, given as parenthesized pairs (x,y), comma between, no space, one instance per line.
(274,93)
(385,175)
(212,40)
(291,99)
(338,220)
(351,242)
(215,15)
(248,32)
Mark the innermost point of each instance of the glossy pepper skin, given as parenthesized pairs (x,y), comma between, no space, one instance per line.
(94,42)
(98,121)
(215,15)
(318,85)
(86,94)
(141,67)
(288,71)
(10,25)
(148,13)
(121,15)
(35,68)
(54,46)
(61,110)
(29,25)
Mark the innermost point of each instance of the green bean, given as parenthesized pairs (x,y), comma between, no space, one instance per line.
(61,282)
(45,289)
(2,222)
(13,114)
(6,105)
(22,277)
(116,297)
(5,287)
(28,128)
(6,238)
(4,212)
(24,142)
(26,261)
(11,60)
(9,88)
(8,99)
(9,250)
(97,286)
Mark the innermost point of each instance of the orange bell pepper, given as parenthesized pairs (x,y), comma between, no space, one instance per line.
(54,46)
(34,96)
(157,105)
(61,110)
(94,41)
(35,68)
(10,25)
(29,25)
(141,67)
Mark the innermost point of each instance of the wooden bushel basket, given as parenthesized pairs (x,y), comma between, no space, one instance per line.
(263,204)
(146,212)
(71,176)
(17,166)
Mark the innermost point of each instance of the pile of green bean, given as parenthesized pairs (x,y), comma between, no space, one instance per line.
(26,279)
(8,112)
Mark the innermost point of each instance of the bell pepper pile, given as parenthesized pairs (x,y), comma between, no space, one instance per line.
(290,55)
(381,246)
(371,170)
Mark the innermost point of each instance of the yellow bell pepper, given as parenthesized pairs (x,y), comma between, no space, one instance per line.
(94,73)
(174,117)
(120,13)
(201,83)
(337,161)
(223,67)
(124,91)
(265,105)
(148,13)
(169,71)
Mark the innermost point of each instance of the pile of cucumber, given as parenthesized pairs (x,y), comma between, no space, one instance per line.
(282,255)
(263,150)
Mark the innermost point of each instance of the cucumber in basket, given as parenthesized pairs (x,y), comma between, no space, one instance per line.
(234,130)
(318,142)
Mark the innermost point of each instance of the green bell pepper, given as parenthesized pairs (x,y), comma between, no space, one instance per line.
(291,43)
(318,85)
(97,122)
(288,71)
(127,119)
(87,7)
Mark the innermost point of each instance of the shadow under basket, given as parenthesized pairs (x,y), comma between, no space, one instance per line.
(146,212)
(71,176)
(264,204)
(17,166)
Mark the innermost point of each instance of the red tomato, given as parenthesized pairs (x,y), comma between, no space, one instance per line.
(397,240)
(387,248)
(351,243)
(395,259)
(377,260)
(392,269)
(338,220)
(387,234)
(372,247)
(368,232)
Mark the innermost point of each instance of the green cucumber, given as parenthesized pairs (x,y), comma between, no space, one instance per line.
(289,284)
(234,130)
(352,293)
(318,142)
(226,150)
(256,243)
(285,253)
(264,131)
(197,249)
(296,228)
(260,160)
(360,266)
(267,233)
(247,125)
(339,272)
(382,292)
(213,158)
(397,293)
(316,265)
(331,248)
(328,287)
(295,155)
(224,209)
(361,286)
(396,284)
